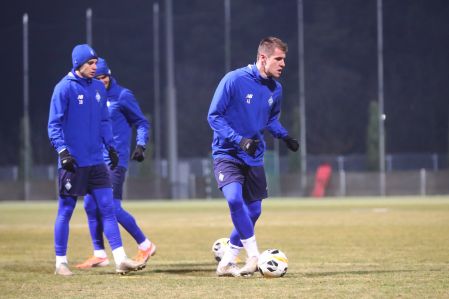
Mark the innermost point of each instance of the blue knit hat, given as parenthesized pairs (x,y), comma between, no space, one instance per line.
(102,68)
(81,54)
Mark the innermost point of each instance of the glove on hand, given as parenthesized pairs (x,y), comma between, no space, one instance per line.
(138,154)
(291,143)
(249,145)
(113,156)
(67,161)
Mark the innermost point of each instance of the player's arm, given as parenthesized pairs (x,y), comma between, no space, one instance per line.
(106,134)
(217,110)
(58,107)
(274,125)
(277,130)
(136,118)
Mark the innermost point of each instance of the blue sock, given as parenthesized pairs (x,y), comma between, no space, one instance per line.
(254,208)
(66,206)
(105,204)
(94,222)
(239,212)
(128,222)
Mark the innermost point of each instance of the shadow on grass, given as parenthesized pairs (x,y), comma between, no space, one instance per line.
(187,268)
(360,272)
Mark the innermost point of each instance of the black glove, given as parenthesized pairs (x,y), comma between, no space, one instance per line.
(291,143)
(113,157)
(67,161)
(138,153)
(249,145)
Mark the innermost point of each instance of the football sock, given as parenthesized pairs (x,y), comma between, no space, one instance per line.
(239,213)
(119,255)
(145,245)
(128,222)
(250,246)
(60,260)
(254,209)
(66,205)
(230,255)
(94,222)
(100,253)
(105,204)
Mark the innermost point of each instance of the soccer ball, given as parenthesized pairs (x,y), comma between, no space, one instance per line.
(272,263)
(219,248)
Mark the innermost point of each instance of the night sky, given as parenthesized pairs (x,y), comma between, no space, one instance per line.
(340,66)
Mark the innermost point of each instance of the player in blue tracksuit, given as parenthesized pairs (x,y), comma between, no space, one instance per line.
(79,129)
(245,104)
(125,114)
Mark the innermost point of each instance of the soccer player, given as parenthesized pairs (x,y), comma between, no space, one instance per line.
(246,102)
(125,114)
(79,128)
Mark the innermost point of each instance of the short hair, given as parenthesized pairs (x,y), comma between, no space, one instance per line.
(268,44)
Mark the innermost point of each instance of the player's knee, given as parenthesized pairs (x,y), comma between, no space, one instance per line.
(90,206)
(235,202)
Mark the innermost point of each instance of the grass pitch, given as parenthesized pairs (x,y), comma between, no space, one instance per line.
(339,248)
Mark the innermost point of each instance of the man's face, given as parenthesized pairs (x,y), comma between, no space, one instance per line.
(88,69)
(275,63)
(105,79)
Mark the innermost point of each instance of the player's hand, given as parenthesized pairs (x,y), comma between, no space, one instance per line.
(249,145)
(113,156)
(138,154)
(67,161)
(291,143)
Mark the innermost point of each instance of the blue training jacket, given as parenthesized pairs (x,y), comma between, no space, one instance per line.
(79,119)
(244,105)
(125,113)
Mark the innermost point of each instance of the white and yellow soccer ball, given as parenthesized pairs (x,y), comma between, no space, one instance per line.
(272,263)
(219,247)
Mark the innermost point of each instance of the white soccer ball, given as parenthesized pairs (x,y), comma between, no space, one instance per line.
(219,248)
(272,263)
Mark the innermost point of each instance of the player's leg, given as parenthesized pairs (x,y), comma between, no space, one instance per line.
(242,226)
(230,179)
(66,206)
(100,188)
(126,220)
(254,209)
(71,184)
(99,258)
(254,190)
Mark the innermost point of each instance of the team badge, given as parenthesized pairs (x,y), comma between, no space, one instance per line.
(67,185)
(98,97)
(270,101)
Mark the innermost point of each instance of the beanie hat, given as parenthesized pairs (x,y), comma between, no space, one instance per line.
(81,54)
(102,68)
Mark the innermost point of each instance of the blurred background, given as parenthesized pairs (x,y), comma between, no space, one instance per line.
(365,90)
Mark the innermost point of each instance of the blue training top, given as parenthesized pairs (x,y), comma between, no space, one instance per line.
(125,113)
(244,105)
(79,120)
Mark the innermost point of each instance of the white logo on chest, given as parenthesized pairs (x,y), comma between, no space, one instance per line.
(80,99)
(270,101)
(248,98)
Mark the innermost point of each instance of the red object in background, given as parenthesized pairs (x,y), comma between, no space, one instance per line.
(322,177)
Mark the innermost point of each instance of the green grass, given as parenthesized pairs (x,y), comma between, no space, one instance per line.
(337,248)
